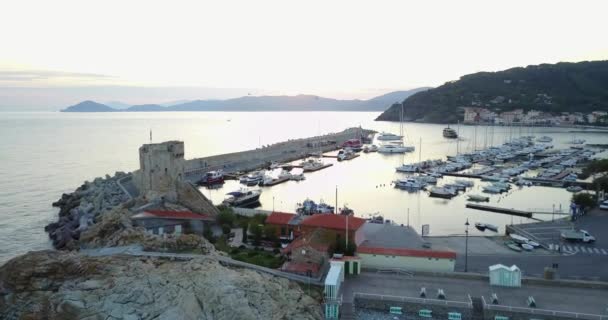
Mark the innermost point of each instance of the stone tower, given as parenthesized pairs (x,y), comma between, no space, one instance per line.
(161,169)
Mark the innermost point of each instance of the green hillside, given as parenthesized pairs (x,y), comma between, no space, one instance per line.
(573,87)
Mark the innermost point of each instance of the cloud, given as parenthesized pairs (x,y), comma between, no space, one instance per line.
(17,76)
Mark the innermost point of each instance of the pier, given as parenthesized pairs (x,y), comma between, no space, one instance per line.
(512,212)
(282,152)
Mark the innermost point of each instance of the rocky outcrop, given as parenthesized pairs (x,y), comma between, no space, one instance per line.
(63,285)
(83,207)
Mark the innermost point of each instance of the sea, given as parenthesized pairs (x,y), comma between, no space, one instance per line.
(45,154)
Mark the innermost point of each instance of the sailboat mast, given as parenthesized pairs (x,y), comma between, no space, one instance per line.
(420,151)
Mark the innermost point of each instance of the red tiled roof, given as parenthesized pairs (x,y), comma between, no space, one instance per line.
(408,252)
(333,221)
(305,241)
(167,214)
(279,218)
(300,267)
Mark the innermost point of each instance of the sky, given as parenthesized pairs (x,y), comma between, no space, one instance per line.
(59,52)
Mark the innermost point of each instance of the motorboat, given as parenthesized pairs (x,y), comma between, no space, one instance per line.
(486,226)
(491,189)
(478,198)
(309,207)
(442,192)
(242,197)
(370,148)
(408,183)
(211,178)
(252,179)
(577,141)
(450,133)
(428,179)
(354,144)
(395,148)
(544,139)
(346,154)
(574,189)
(408,168)
(297,177)
(311,164)
(388,137)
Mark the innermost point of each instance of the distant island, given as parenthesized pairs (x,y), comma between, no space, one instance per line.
(259,103)
(550,88)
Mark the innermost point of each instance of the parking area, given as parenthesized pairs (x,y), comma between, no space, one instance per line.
(553,297)
(480,246)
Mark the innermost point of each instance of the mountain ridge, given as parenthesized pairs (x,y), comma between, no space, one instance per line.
(301,102)
(560,87)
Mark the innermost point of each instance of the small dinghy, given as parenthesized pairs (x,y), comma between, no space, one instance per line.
(534,244)
(527,247)
(478,198)
(518,239)
(480,226)
(513,246)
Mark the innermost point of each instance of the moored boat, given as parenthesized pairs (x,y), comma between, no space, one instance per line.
(450,133)
(242,197)
(478,198)
(442,192)
(388,137)
(211,178)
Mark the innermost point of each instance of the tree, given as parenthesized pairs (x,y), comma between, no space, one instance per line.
(584,200)
(226,216)
(226,229)
(257,232)
(271,234)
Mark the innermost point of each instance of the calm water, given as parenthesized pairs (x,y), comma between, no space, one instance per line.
(45,154)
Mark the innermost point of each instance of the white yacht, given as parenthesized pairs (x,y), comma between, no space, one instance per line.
(389,137)
(395,148)
(314,165)
(242,197)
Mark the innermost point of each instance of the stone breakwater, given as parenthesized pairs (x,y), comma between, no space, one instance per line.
(83,208)
(65,285)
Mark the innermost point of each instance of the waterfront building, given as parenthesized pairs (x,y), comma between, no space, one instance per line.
(387,246)
(161,222)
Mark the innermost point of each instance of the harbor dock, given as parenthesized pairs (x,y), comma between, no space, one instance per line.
(512,212)
(282,152)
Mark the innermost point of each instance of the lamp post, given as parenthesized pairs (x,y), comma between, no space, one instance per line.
(466,246)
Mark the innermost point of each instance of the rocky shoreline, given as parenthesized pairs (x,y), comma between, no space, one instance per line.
(84,207)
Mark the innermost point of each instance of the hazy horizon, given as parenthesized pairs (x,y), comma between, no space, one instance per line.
(68,51)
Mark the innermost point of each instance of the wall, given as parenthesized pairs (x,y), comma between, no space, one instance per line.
(380,261)
(312,255)
(191,198)
(188,226)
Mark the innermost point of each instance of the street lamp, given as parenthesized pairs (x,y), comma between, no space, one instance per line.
(466,246)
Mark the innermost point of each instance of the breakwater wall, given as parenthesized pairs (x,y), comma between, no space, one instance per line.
(286,151)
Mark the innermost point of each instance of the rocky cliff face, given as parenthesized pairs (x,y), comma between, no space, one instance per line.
(63,285)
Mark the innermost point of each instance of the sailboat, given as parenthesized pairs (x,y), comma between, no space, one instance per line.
(397,146)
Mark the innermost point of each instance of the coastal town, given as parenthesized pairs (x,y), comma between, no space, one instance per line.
(479,115)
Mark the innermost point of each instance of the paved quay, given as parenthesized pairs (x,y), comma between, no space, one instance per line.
(281,152)
(547,297)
